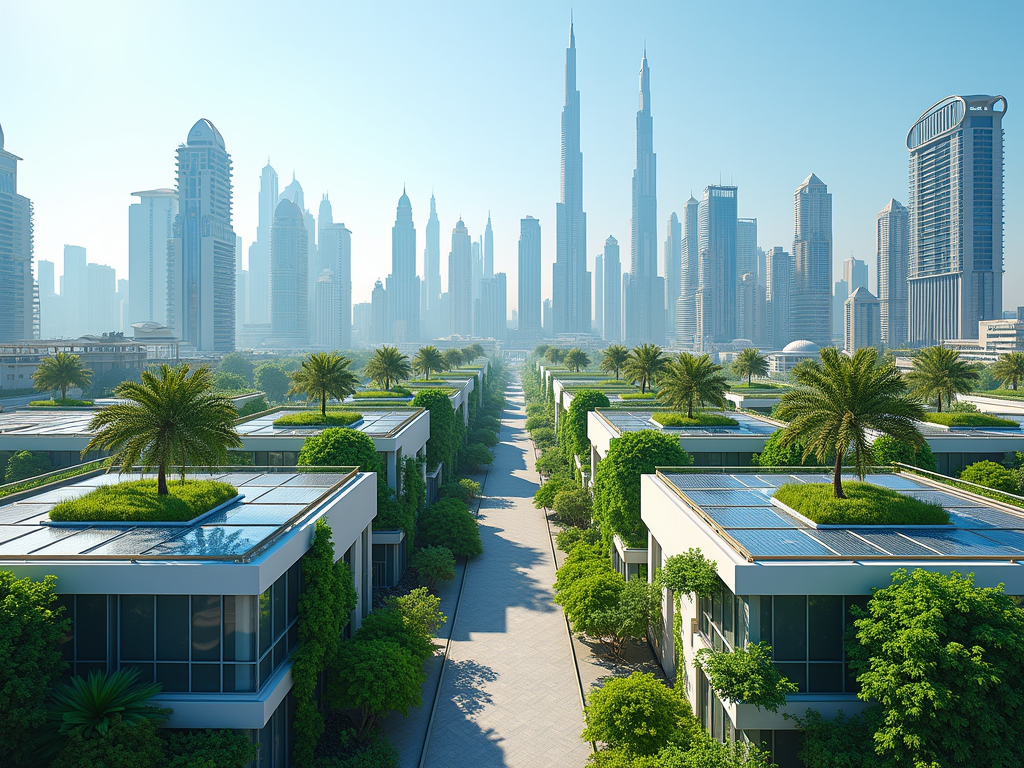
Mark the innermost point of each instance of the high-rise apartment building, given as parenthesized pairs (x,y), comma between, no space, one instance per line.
(74,292)
(812,261)
(431,308)
(150,226)
(16,283)
(855,273)
(689,276)
(403,285)
(494,307)
(746,247)
(840,293)
(289,268)
(335,252)
(258,294)
(862,325)
(324,219)
(598,294)
(99,301)
(717,283)
(892,234)
(294,193)
(379,321)
(612,330)
(672,265)
(956,219)
(460,282)
(778,291)
(570,278)
(201,269)
(529,278)
(748,296)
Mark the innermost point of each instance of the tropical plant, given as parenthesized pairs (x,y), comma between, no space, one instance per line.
(323,375)
(643,364)
(171,416)
(1009,369)
(576,360)
(452,359)
(939,372)
(273,380)
(690,380)
(613,359)
(87,706)
(428,359)
(387,366)
(61,371)
(835,407)
(749,363)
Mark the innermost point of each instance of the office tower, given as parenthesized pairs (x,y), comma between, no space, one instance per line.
(746,247)
(529,278)
(258,310)
(294,193)
(717,282)
(435,321)
(324,219)
(956,219)
(362,322)
(150,226)
(73,290)
(612,330)
(750,299)
(460,282)
(380,328)
(548,319)
(403,285)
(778,291)
(599,295)
(673,264)
(325,318)
(855,273)
(840,293)
(761,278)
(689,275)
(477,261)
(335,252)
(289,267)
(49,300)
(99,301)
(862,321)
(488,248)
(493,307)
(570,284)
(892,230)
(16,283)
(241,289)
(812,261)
(201,272)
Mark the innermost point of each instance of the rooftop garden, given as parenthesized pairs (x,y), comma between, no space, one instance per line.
(865,504)
(332,418)
(757,386)
(970,420)
(698,420)
(137,501)
(64,402)
(637,395)
(382,394)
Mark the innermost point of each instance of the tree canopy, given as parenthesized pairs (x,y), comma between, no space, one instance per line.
(445,427)
(576,360)
(323,375)
(387,367)
(61,371)
(574,423)
(690,380)
(273,380)
(1009,369)
(613,358)
(643,364)
(749,363)
(428,360)
(940,372)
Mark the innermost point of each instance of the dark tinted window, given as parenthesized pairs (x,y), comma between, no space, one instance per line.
(137,628)
(172,628)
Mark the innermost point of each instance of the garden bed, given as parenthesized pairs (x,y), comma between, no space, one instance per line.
(137,501)
(317,419)
(866,504)
(698,420)
(970,420)
(67,402)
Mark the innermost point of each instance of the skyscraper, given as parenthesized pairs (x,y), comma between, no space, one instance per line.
(645,299)
(570,302)
(16,284)
(862,322)
(379,322)
(49,302)
(892,230)
(612,291)
(74,291)
(529,278)
(201,272)
(750,301)
(855,273)
(746,247)
(150,226)
(689,275)
(460,282)
(488,248)
(956,218)
(324,219)
(494,306)
(599,294)
(403,285)
(100,300)
(258,311)
(336,253)
(779,279)
(673,265)
(718,283)
(289,268)
(812,261)
(325,328)
(431,308)
(294,193)
(840,293)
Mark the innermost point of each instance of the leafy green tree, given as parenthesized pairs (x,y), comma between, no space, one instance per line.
(940,372)
(237,364)
(944,660)
(388,624)
(25,464)
(341,447)
(538,420)
(544,498)
(576,360)
(574,424)
(273,380)
(1009,369)
(573,506)
(32,629)
(555,355)
(889,450)
(88,706)
(617,490)
(613,359)
(639,609)
(478,350)
(591,602)
(256,405)
(746,676)
(835,407)
(703,751)
(420,610)
(171,416)
(749,363)
(541,350)
(638,714)
(428,359)
(792,454)
(323,375)
(448,523)
(453,359)
(689,573)
(568,538)
(690,380)
(476,455)
(229,382)
(61,371)
(433,564)
(842,742)
(484,436)
(991,475)
(125,745)
(445,432)
(643,364)
(387,367)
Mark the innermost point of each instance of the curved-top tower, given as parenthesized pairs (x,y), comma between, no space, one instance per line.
(403,285)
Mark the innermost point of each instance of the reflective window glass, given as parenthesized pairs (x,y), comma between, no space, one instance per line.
(239,628)
(137,628)
(825,635)
(172,628)
(790,627)
(91,628)
(206,627)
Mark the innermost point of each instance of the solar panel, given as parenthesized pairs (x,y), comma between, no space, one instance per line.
(779,543)
(686,482)
(81,541)
(895,544)
(844,542)
(945,499)
(746,498)
(750,517)
(29,543)
(291,495)
(256,514)
(19,513)
(314,479)
(219,540)
(895,482)
(984,517)
(135,541)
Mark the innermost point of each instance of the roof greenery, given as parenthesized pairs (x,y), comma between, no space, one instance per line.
(865,504)
(970,420)
(698,420)
(334,418)
(137,501)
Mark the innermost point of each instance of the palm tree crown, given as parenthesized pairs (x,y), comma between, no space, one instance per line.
(613,358)
(1009,369)
(387,367)
(835,405)
(940,372)
(323,375)
(749,363)
(170,417)
(576,359)
(61,371)
(689,380)
(428,359)
(643,364)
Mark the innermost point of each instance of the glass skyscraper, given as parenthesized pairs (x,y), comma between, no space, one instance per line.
(16,284)
(812,262)
(717,282)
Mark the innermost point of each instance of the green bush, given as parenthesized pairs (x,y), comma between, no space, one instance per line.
(254,406)
(238,365)
(334,418)
(448,523)
(377,752)
(689,573)
(476,456)
(866,504)
(446,428)
(484,436)
(137,501)
(842,742)
(341,448)
(638,714)
(387,624)
(777,455)
(380,394)
(574,507)
(552,461)
(208,749)
(991,475)
(888,450)
(574,423)
(433,564)
(637,395)
(544,497)
(567,538)
(537,420)
(698,420)
(25,464)
(455,490)
(746,676)
(970,420)
(124,745)
(420,610)
(67,402)
(487,422)
(229,382)
(543,437)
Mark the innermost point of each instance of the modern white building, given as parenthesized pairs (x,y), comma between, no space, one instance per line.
(150,227)
(17,315)
(812,261)
(785,360)
(892,233)
(862,321)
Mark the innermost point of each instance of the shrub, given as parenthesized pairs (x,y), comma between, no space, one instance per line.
(138,501)
(333,418)
(574,424)
(865,504)
(544,497)
(448,523)
(543,437)
(638,714)
(421,610)
(124,745)
(476,456)
(689,573)
(229,382)
(698,420)
(842,742)
(381,394)
(25,464)
(889,450)
(573,506)
(237,365)
(568,538)
(433,564)
(991,475)
(775,454)
(590,603)
(445,427)
(552,460)
(970,420)
(387,624)
(455,490)
(537,420)
(746,675)
(254,406)
(90,706)
(487,422)
(341,448)
(484,436)
(377,752)
(67,402)
(208,749)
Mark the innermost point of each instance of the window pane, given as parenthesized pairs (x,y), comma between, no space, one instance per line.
(206,628)
(85,669)
(787,748)
(205,677)
(239,677)
(266,628)
(796,673)
(145,671)
(825,635)
(294,579)
(91,627)
(825,678)
(266,668)
(172,629)
(728,613)
(766,619)
(790,630)
(280,596)
(239,627)
(137,628)
(67,644)
(174,677)
(280,652)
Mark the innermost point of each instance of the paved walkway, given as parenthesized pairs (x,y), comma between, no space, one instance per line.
(510,696)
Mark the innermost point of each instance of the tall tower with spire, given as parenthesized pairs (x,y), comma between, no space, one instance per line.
(403,285)
(570,302)
(488,249)
(258,294)
(432,274)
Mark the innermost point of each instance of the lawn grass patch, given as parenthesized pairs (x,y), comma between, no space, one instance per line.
(378,394)
(67,402)
(637,395)
(756,387)
(698,420)
(137,501)
(970,420)
(333,418)
(1008,394)
(866,504)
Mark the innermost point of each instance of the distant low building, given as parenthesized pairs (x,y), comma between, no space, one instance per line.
(995,338)
(19,359)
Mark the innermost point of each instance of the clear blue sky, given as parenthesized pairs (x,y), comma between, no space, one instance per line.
(465,99)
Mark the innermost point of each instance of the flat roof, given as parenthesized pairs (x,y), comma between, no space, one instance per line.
(634,420)
(377,422)
(738,508)
(930,429)
(273,503)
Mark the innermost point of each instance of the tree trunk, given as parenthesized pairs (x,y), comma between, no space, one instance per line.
(689,408)
(837,476)
(161,481)
(940,403)
(1014,383)
(616,374)
(749,376)
(323,403)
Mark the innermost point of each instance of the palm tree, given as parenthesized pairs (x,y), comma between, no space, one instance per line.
(690,380)
(428,359)
(643,364)
(575,359)
(835,406)
(749,362)
(1009,368)
(388,366)
(323,375)
(453,359)
(88,706)
(171,416)
(939,372)
(613,358)
(61,371)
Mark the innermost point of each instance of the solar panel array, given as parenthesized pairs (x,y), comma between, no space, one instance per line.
(635,420)
(740,505)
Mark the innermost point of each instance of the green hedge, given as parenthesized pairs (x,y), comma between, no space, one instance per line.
(699,420)
(67,402)
(317,419)
(866,504)
(637,395)
(970,420)
(137,501)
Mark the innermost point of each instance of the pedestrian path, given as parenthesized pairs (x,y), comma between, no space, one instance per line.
(510,695)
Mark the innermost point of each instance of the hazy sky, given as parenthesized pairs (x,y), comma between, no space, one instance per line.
(465,99)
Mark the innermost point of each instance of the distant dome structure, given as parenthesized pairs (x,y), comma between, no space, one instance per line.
(801,346)
(205,133)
